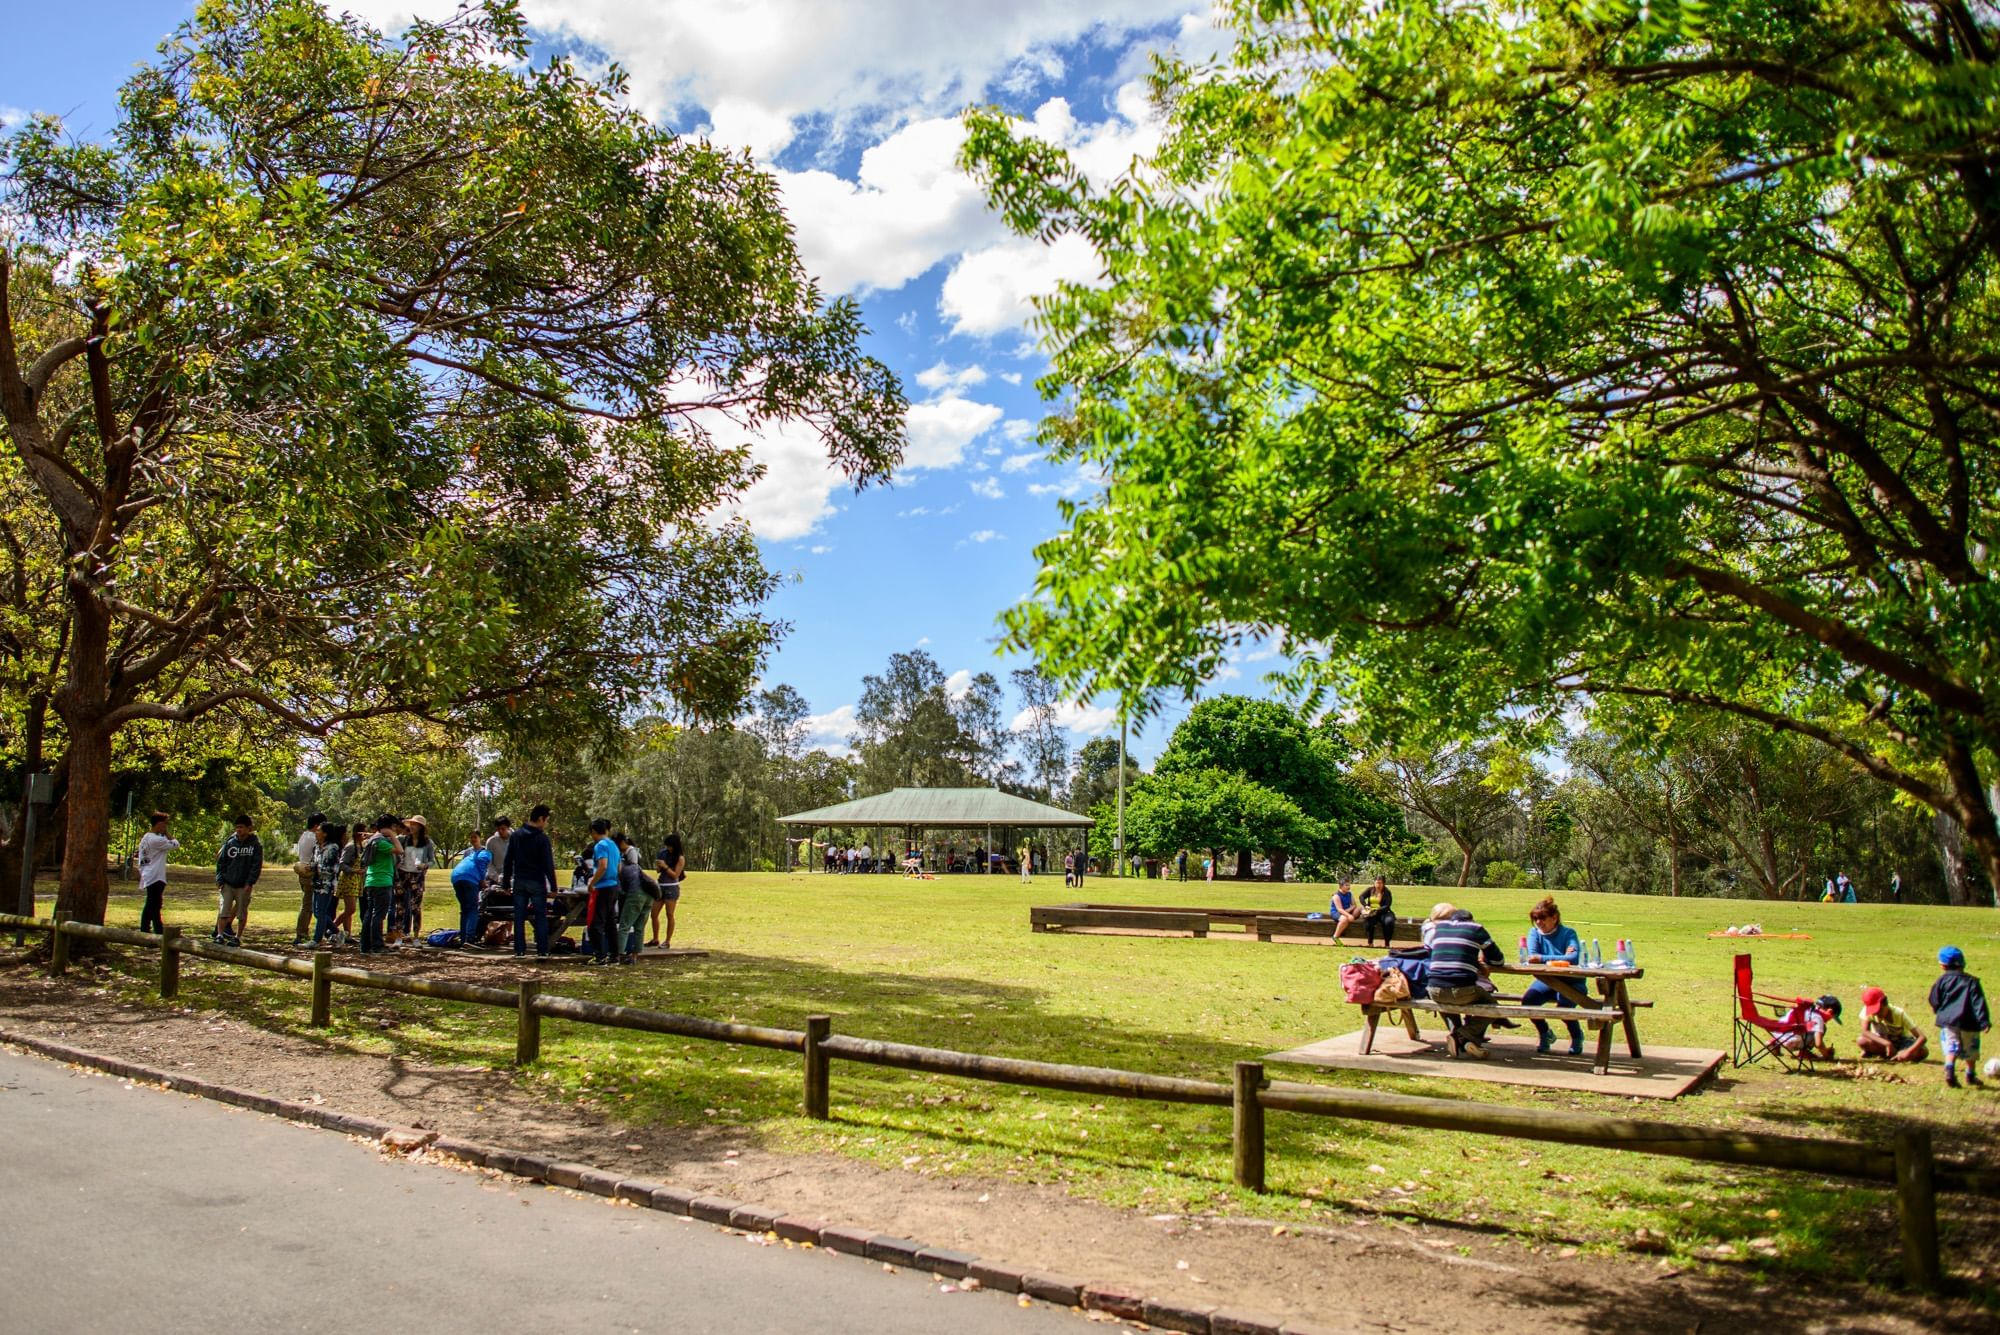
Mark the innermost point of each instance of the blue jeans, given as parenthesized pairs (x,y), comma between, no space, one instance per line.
(322,916)
(374,913)
(525,898)
(468,911)
(1540,993)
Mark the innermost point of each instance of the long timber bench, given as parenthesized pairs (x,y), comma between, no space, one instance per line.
(1600,1019)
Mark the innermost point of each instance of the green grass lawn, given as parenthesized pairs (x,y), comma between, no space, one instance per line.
(952,963)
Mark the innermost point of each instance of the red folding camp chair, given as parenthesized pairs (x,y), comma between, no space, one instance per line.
(1782,1035)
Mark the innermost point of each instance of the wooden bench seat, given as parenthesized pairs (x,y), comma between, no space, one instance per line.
(1601,1019)
(1057,918)
(1267,925)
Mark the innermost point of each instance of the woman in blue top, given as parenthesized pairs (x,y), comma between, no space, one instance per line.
(1344,909)
(1549,940)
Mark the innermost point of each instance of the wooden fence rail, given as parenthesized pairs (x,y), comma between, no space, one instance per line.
(1907,1164)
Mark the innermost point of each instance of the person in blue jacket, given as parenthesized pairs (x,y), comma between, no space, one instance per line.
(1549,940)
(467,879)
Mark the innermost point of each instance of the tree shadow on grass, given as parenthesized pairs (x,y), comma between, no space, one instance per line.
(700,1094)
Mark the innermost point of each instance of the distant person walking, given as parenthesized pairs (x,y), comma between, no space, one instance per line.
(238,864)
(529,875)
(1026,855)
(154,845)
(1180,864)
(305,864)
(1895,887)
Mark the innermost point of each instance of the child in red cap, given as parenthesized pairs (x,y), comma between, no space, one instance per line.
(1887,1030)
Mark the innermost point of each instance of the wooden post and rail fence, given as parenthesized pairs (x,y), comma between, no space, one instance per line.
(1907,1164)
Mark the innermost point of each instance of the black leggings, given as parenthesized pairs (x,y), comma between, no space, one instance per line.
(1383,921)
(149,916)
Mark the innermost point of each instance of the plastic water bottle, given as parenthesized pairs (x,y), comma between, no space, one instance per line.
(1631,955)
(1521,954)
(1596,954)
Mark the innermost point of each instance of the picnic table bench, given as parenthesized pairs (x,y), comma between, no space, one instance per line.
(1612,1006)
(1599,1019)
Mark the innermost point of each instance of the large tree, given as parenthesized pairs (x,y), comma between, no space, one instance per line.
(352,377)
(1493,355)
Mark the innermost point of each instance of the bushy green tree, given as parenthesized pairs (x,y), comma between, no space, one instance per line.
(1493,355)
(354,376)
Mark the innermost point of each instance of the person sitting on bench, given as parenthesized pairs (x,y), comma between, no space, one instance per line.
(1461,952)
(1342,908)
(1548,941)
(1383,915)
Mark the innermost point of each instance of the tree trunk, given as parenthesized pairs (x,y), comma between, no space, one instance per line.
(84,704)
(1278,861)
(1951,855)
(1465,851)
(1243,872)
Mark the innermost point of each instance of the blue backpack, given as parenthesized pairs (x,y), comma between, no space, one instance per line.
(443,936)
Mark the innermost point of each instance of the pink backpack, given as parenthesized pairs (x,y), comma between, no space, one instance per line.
(1359,979)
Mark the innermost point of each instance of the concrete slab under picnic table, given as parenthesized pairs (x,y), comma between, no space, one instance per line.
(1663,1073)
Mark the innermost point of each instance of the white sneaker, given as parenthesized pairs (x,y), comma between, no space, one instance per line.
(1471,1049)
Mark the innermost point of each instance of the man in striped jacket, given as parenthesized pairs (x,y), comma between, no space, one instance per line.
(1461,952)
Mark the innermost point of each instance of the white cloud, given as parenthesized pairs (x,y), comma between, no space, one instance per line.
(1083,720)
(1017,463)
(992,290)
(982,537)
(908,207)
(941,429)
(829,731)
(1074,483)
(944,376)
(958,683)
(795,493)
(923,640)
(820,549)
(1227,672)
(1011,377)
(914,512)
(990,488)
(10,117)
(1019,430)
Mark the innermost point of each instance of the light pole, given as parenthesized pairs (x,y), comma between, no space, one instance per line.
(1118,839)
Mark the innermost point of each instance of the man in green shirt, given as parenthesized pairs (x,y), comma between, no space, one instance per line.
(1887,1031)
(378,864)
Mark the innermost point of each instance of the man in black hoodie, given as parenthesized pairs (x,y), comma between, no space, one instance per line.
(237,867)
(530,873)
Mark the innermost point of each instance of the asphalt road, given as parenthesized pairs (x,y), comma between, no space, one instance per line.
(128,1208)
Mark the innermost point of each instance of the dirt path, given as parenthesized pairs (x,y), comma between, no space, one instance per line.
(1366,1276)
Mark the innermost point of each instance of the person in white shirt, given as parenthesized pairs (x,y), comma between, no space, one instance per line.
(496,846)
(305,856)
(154,846)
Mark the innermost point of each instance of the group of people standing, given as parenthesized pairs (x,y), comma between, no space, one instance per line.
(365,886)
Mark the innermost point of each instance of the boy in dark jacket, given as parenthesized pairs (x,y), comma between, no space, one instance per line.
(1959,1003)
(237,867)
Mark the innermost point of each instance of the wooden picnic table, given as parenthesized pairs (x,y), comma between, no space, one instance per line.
(1611,980)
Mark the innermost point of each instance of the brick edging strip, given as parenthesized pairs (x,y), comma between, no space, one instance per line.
(1113,1299)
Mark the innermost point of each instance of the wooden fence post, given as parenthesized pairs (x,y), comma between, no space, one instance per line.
(170,963)
(528,1025)
(58,948)
(1247,1139)
(1916,1208)
(818,1066)
(322,989)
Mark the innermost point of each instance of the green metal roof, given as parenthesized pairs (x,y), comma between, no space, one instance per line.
(960,808)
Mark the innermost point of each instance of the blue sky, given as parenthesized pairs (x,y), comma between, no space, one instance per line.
(853,103)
